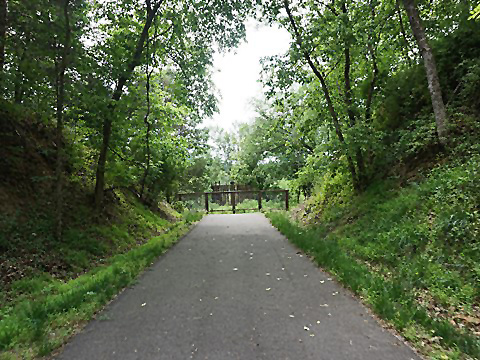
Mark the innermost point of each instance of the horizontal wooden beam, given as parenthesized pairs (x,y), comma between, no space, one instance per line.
(232,192)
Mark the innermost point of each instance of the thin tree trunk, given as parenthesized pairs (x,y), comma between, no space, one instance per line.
(326,92)
(60,85)
(117,94)
(371,90)
(147,137)
(351,114)
(441,118)
(407,47)
(147,168)
(348,87)
(18,87)
(3,32)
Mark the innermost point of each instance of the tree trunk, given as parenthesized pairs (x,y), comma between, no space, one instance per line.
(372,49)
(117,94)
(102,159)
(60,87)
(3,32)
(18,87)
(431,70)
(371,88)
(351,114)
(326,92)
(147,137)
(407,49)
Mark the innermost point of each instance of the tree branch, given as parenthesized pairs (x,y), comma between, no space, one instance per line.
(326,92)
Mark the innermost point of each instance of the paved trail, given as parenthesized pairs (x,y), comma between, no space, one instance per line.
(234,288)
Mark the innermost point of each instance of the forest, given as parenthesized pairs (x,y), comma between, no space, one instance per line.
(370,120)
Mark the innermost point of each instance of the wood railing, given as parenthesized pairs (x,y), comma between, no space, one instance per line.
(233,197)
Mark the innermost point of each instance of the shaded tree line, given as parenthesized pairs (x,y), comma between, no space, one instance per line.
(125,83)
(366,88)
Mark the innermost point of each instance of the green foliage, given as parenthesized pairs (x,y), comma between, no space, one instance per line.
(391,297)
(416,139)
(192,216)
(388,121)
(332,190)
(46,306)
(86,243)
(475,13)
(420,242)
(168,89)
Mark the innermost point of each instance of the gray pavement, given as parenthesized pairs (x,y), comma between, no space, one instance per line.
(234,288)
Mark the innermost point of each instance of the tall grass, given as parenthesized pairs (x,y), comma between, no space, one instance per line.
(392,299)
(412,253)
(35,326)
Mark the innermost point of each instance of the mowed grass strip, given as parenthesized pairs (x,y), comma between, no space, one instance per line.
(35,327)
(390,298)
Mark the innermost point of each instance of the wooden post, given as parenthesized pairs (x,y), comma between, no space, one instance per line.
(286,200)
(206,202)
(233,201)
(259,201)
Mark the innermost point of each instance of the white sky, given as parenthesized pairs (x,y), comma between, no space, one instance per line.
(236,73)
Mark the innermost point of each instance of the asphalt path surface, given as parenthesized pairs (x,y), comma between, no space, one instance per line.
(234,288)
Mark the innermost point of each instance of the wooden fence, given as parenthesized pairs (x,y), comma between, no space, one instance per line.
(233,197)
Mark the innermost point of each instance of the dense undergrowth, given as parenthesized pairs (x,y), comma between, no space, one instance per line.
(31,257)
(43,310)
(412,253)
(50,286)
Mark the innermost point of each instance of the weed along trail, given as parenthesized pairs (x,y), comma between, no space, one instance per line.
(234,288)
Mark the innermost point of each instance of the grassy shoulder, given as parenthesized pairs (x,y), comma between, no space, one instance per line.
(42,309)
(412,254)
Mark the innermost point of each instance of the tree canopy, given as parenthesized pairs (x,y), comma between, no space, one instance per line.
(365,86)
(354,97)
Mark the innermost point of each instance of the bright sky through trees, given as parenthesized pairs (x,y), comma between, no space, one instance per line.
(237,72)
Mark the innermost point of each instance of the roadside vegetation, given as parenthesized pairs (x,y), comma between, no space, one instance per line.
(51,287)
(373,124)
(410,253)
(370,120)
(45,311)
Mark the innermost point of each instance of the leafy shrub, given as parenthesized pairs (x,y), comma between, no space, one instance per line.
(333,191)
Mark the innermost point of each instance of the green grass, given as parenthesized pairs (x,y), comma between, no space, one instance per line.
(59,285)
(35,325)
(391,299)
(411,253)
(28,247)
